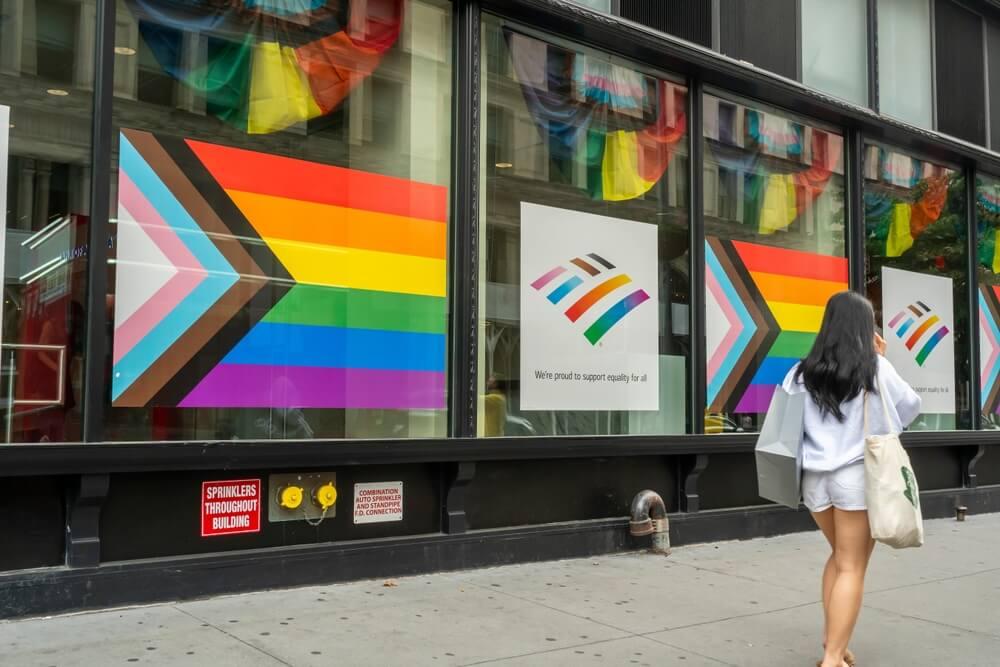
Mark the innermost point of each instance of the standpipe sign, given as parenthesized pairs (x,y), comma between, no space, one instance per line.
(230,507)
(378,502)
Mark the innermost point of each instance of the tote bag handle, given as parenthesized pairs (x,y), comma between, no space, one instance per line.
(885,406)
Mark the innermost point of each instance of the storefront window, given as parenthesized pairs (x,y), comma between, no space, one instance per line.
(584,302)
(835,48)
(281,199)
(599,5)
(774,249)
(46,84)
(915,257)
(988,276)
(904,61)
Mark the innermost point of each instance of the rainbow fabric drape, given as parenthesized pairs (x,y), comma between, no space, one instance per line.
(988,204)
(622,124)
(899,223)
(773,201)
(271,63)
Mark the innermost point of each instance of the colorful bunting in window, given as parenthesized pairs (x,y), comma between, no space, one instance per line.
(899,223)
(620,123)
(270,63)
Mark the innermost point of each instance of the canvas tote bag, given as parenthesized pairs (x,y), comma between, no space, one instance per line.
(891,491)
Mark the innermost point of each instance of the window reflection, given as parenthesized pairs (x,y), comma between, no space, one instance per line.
(988,279)
(46,78)
(281,190)
(774,225)
(916,238)
(576,132)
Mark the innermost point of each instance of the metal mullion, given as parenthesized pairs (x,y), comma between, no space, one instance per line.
(872,28)
(854,161)
(972,290)
(95,383)
(696,216)
(464,259)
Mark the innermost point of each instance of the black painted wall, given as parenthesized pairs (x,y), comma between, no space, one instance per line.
(517,493)
(960,72)
(32,522)
(158,514)
(687,19)
(762,32)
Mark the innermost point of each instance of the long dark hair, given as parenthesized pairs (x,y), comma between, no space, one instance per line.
(842,362)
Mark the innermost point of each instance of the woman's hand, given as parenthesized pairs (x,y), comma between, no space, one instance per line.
(880,344)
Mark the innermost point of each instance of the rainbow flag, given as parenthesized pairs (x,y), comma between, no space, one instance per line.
(364,326)
(794,287)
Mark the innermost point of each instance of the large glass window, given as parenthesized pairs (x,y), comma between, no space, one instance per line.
(904,61)
(988,279)
(46,80)
(915,258)
(835,48)
(584,320)
(281,199)
(774,227)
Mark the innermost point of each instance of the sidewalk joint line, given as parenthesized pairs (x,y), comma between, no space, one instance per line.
(232,636)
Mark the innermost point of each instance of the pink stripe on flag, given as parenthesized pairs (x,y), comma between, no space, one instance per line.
(896,319)
(734,331)
(189,276)
(994,345)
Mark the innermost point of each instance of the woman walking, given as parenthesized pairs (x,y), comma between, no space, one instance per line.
(844,365)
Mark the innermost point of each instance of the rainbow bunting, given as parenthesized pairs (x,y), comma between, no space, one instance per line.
(900,223)
(295,60)
(621,124)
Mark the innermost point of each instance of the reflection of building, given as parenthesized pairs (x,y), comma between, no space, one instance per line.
(291,242)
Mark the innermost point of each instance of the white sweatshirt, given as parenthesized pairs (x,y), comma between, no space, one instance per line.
(830,444)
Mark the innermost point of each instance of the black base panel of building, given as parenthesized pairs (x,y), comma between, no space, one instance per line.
(53,590)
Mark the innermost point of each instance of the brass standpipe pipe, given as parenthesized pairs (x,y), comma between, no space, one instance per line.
(649,517)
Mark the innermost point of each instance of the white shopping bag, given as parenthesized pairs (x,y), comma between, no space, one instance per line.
(891,490)
(779,449)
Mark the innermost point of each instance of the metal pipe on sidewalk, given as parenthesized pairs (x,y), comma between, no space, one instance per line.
(649,517)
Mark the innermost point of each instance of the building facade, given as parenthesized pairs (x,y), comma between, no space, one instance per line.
(301,291)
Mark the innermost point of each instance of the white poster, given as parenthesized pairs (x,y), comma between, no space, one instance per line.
(589,312)
(918,318)
(4,154)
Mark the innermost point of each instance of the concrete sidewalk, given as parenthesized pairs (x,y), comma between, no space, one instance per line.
(732,603)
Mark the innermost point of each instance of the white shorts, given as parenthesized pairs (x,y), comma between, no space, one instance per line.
(843,488)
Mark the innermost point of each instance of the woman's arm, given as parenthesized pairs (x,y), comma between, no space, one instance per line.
(900,393)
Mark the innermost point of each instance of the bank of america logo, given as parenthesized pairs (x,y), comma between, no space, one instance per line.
(912,325)
(568,284)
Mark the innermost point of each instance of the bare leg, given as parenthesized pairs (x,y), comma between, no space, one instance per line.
(824,520)
(852,548)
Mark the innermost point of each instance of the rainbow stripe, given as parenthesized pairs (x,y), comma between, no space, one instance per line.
(592,271)
(902,327)
(921,330)
(613,315)
(559,293)
(364,327)
(593,296)
(795,287)
(932,342)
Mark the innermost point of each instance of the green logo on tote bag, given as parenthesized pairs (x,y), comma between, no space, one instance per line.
(911,486)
